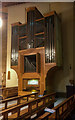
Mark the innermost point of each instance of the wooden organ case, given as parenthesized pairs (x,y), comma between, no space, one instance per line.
(40,35)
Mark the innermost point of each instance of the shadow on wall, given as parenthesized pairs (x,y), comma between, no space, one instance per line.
(50,79)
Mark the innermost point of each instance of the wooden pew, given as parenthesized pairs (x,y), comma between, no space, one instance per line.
(26,110)
(62,110)
(6,92)
(2,93)
(18,99)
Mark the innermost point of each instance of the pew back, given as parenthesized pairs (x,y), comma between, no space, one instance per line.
(30,108)
(65,108)
(62,110)
(16,100)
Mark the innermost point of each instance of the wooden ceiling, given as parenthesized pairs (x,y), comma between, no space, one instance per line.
(7,4)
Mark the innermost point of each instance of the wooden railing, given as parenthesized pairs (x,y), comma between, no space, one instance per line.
(26,110)
(65,108)
(61,111)
(17,99)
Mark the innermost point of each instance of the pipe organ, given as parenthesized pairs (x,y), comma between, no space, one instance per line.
(40,31)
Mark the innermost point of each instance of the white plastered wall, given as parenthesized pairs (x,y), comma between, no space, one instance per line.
(62,77)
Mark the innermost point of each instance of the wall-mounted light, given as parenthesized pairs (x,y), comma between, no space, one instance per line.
(0,22)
